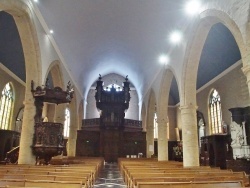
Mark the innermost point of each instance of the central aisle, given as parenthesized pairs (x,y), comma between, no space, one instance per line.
(110,176)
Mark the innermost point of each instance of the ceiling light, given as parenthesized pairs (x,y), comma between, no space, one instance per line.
(51,31)
(163,59)
(176,37)
(193,7)
(35,1)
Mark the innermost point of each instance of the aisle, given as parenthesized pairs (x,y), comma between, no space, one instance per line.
(110,176)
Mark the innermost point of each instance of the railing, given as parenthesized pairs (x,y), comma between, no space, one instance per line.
(127,122)
(12,156)
(132,123)
(91,122)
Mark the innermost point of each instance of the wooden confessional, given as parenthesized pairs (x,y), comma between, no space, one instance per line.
(111,136)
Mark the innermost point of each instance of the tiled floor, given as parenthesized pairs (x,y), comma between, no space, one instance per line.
(110,176)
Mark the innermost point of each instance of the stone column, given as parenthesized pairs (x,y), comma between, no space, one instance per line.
(150,140)
(189,136)
(25,152)
(72,132)
(246,71)
(162,140)
(72,142)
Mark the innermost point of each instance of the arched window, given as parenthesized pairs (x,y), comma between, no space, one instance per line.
(155,127)
(215,112)
(66,123)
(6,105)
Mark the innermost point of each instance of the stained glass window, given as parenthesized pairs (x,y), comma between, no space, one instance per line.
(155,127)
(215,112)
(66,123)
(6,104)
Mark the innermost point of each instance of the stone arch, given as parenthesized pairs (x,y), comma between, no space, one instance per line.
(52,111)
(189,79)
(162,114)
(22,15)
(56,74)
(163,99)
(150,123)
(195,46)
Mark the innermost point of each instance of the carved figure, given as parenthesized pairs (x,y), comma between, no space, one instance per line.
(236,134)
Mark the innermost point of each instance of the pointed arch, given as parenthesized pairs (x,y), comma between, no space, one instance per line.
(188,103)
(208,18)
(23,17)
(56,74)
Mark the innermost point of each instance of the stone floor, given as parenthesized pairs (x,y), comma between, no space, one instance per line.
(110,176)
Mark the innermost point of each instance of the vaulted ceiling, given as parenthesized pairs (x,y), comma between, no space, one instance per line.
(124,37)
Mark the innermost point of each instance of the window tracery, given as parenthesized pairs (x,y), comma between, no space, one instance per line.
(6,104)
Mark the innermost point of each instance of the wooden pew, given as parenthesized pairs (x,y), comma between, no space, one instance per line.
(131,176)
(14,182)
(183,179)
(53,184)
(83,170)
(215,184)
(241,176)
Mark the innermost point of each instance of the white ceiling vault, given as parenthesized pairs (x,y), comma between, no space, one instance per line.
(127,37)
(113,36)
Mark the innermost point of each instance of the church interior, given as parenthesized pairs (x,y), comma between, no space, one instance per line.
(132,93)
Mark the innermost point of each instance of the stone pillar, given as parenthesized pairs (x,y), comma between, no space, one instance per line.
(150,140)
(246,71)
(72,133)
(72,145)
(189,136)
(162,140)
(25,152)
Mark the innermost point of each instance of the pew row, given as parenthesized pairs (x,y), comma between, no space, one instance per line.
(205,184)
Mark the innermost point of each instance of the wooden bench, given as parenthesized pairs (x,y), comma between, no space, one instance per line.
(83,171)
(204,184)
(183,179)
(14,182)
(241,176)
(53,184)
